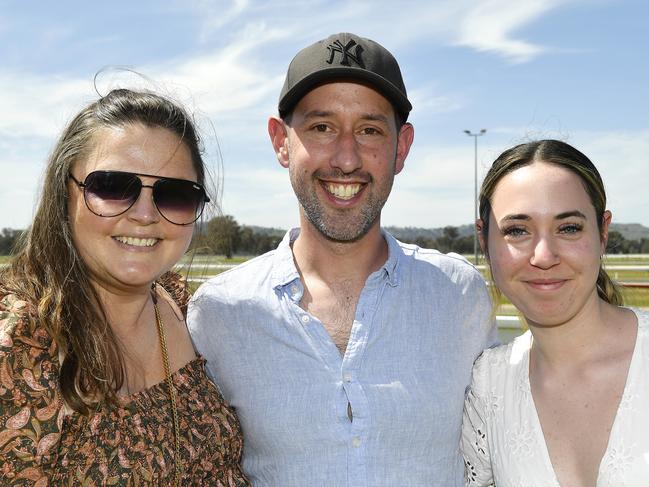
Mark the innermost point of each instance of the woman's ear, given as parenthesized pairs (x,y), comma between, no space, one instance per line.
(479,227)
(606,221)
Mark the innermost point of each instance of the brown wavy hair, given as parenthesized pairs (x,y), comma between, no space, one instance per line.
(47,269)
(566,156)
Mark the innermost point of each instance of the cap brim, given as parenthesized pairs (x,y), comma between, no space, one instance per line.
(401,104)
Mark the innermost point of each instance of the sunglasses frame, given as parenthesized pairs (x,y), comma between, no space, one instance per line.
(83,185)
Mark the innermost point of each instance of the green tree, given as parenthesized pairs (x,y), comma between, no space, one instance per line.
(617,244)
(8,239)
(446,243)
(223,234)
(247,240)
(644,246)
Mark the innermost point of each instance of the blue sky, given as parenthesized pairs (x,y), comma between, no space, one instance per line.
(576,70)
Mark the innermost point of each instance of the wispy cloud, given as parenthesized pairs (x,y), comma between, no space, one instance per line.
(622,159)
(230,69)
(429,103)
(35,105)
(491,25)
(215,17)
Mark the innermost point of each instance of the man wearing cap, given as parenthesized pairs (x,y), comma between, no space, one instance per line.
(345,352)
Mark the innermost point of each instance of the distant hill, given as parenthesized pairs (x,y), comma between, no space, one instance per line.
(411,233)
(270,231)
(630,231)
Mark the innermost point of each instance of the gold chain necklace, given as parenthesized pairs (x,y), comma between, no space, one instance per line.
(170,387)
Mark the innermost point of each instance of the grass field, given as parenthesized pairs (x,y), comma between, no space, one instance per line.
(202,267)
(205,266)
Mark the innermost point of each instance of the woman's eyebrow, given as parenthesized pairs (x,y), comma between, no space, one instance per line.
(516,216)
(568,214)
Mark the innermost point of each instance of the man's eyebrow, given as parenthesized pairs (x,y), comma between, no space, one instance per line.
(376,117)
(317,114)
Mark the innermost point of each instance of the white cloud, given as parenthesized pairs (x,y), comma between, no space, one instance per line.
(427,103)
(37,106)
(261,197)
(490,25)
(622,159)
(436,186)
(233,78)
(215,17)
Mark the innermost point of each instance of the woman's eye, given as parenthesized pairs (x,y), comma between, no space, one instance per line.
(321,127)
(571,228)
(514,231)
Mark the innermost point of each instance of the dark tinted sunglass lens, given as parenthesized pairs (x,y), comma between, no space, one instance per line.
(109,193)
(178,201)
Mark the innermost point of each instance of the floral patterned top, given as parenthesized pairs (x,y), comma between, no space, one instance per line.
(502,440)
(127,445)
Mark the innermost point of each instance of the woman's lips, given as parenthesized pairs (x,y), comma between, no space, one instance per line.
(545,284)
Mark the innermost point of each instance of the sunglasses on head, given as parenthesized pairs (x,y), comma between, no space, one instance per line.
(111,193)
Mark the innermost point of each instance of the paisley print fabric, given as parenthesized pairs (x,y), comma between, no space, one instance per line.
(129,444)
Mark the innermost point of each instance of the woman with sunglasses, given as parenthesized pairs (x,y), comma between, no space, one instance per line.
(99,382)
(566,403)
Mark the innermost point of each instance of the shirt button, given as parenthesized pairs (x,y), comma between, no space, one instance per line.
(347,377)
(293,289)
(356,442)
(305,319)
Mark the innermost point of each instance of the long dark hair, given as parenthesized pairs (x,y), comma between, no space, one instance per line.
(566,156)
(47,269)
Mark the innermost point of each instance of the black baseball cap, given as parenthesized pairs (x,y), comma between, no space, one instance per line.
(339,57)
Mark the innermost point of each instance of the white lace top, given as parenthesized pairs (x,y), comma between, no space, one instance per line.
(502,440)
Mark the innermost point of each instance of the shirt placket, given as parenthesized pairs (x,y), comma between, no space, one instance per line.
(347,370)
(352,382)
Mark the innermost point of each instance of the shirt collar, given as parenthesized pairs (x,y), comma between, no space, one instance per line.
(391,265)
(284,270)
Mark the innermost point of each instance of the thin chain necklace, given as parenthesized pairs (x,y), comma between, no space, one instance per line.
(170,386)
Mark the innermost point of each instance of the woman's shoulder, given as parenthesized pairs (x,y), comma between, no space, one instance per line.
(19,326)
(643,318)
(31,407)
(177,288)
(496,364)
(28,354)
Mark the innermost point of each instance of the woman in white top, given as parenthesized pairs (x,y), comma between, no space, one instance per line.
(567,403)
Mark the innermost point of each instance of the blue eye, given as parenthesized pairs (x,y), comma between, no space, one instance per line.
(514,231)
(571,228)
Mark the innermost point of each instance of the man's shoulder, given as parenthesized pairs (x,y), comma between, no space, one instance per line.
(245,276)
(433,261)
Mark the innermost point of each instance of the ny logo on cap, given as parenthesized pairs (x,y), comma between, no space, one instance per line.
(346,53)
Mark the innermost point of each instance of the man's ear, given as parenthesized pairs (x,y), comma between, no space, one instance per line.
(279,138)
(404,141)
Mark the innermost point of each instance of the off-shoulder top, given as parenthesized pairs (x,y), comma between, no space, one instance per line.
(128,444)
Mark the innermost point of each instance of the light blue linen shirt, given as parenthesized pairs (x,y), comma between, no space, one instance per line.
(420,322)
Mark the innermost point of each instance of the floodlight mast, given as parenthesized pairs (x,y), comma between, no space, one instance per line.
(475,189)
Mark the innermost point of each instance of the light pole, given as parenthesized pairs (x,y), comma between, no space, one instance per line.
(475,189)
